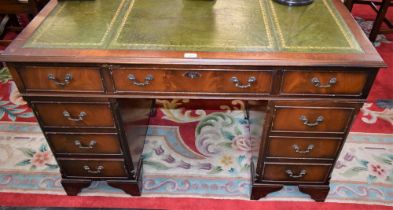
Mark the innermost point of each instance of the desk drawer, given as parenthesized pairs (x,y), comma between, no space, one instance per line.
(96,168)
(61,79)
(322,83)
(159,80)
(312,119)
(290,172)
(86,143)
(79,115)
(303,147)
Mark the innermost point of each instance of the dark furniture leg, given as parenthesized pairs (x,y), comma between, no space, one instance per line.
(261,190)
(378,21)
(153,111)
(128,186)
(316,192)
(349,4)
(74,186)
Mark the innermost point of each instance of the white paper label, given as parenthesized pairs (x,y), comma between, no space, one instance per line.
(190,55)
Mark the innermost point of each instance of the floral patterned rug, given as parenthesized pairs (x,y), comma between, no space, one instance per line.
(206,153)
(194,153)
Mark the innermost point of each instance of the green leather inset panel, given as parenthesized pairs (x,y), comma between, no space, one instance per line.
(77,24)
(313,28)
(195,25)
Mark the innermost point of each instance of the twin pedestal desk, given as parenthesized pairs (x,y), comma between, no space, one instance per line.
(88,67)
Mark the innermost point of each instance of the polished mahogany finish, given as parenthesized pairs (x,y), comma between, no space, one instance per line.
(311,119)
(61,79)
(74,186)
(135,115)
(316,192)
(71,114)
(191,80)
(84,143)
(324,83)
(303,147)
(295,172)
(93,95)
(93,168)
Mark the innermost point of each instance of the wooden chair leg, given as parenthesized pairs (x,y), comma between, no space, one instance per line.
(378,21)
(349,4)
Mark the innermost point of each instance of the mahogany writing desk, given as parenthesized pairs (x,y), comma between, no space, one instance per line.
(92,69)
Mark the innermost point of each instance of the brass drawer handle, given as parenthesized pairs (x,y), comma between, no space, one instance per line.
(80,117)
(97,171)
(238,84)
(80,146)
(317,83)
(297,149)
(193,75)
(318,121)
(148,78)
(67,79)
(300,175)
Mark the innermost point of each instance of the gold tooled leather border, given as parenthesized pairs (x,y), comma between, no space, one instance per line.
(353,45)
(48,25)
(150,46)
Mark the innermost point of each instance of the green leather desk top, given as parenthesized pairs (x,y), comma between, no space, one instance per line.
(195,25)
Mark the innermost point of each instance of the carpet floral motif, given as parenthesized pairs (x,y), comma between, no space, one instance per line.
(371,116)
(12,111)
(12,105)
(40,158)
(217,136)
(173,111)
(364,169)
(26,152)
(377,168)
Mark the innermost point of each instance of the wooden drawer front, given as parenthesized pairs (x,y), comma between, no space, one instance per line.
(139,80)
(192,81)
(246,82)
(303,147)
(75,114)
(312,119)
(61,79)
(289,172)
(93,168)
(310,82)
(72,143)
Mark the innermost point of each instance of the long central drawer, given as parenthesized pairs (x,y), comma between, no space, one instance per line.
(160,80)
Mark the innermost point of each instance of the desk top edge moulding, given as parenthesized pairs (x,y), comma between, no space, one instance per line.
(303,72)
(214,32)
